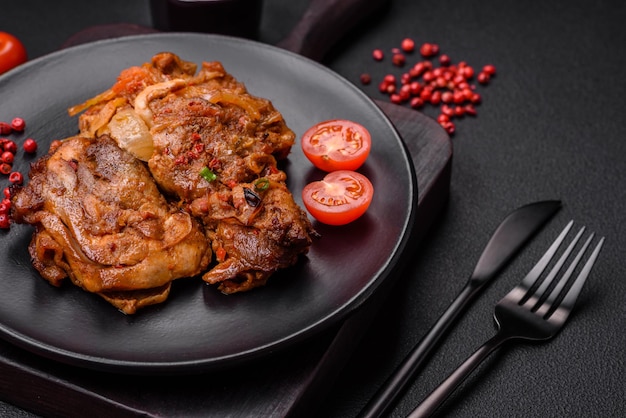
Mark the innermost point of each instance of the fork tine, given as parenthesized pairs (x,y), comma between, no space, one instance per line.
(541,290)
(534,274)
(572,294)
(548,303)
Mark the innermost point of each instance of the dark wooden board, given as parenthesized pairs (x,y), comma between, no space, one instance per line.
(286,383)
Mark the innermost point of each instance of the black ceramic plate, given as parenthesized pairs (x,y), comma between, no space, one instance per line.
(198,328)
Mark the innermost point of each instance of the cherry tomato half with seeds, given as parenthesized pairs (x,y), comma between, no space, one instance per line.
(339,198)
(12,52)
(337,144)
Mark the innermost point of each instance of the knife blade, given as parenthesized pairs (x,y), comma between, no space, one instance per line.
(508,238)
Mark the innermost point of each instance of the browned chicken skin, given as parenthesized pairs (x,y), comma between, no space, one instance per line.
(208,121)
(101,220)
(253,222)
(253,242)
(212,149)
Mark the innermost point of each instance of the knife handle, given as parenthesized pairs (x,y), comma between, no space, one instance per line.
(325,22)
(394,386)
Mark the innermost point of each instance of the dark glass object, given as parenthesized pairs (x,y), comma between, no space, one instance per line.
(228,17)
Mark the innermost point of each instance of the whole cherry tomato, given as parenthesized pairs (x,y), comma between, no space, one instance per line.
(12,52)
(340,198)
(337,144)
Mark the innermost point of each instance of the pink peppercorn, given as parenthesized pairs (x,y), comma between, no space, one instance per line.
(10,146)
(398,60)
(18,124)
(16,177)
(407,45)
(5,128)
(5,222)
(7,157)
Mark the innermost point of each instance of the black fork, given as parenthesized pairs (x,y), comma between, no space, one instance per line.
(531,311)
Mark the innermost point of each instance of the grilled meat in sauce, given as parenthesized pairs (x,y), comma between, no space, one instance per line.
(101,221)
(185,123)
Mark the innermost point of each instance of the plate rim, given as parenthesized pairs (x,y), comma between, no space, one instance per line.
(314,328)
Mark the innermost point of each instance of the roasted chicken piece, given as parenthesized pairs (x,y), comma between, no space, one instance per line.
(214,147)
(100,219)
(257,229)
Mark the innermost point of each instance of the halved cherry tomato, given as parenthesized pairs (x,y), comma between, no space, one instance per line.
(337,144)
(12,52)
(340,198)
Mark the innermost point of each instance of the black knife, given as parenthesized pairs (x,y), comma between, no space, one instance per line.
(514,231)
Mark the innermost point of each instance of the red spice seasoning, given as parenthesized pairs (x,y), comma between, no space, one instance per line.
(398,60)
(30,145)
(429,50)
(407,45)
(447,86)
(16,177)
(8,153)
(5,128)
(10,146)
(7,157)
(18,124)
(5,222)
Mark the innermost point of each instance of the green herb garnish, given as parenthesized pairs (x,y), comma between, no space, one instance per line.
(207,174)
(261,184)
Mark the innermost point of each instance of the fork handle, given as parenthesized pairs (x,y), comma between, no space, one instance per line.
(445,389)
(395,384)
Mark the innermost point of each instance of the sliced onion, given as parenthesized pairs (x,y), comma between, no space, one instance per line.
(131,133)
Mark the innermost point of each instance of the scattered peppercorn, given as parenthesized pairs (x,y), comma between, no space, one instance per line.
(448,86)
(10,146)
(18,124)
(489,69)
(5,222)
(407,45)
(398,60)
(5,206)
(483,78)
(444,60)
(449,127)
(429,50)
(377,54)
(366,78)
(5,128)
(417,102)
(30,145)
(8,154)
(7,157)
(470,109)
(16,177)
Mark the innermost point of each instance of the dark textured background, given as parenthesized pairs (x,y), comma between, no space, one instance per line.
(551,126)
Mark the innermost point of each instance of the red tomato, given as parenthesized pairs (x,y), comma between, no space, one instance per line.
(337,145)
(340,198)
(12,52)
